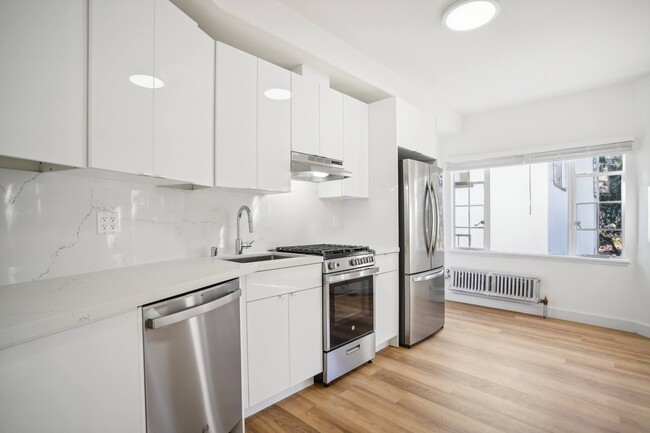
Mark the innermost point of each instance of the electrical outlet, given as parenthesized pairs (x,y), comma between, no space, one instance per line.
(108,222)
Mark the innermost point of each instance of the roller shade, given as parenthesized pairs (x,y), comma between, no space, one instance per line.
(615,148)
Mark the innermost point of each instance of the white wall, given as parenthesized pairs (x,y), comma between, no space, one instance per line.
(587,291)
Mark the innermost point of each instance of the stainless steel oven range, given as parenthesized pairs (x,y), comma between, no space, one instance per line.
(348,306)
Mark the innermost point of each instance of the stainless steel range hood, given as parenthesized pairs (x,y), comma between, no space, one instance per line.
(312,168)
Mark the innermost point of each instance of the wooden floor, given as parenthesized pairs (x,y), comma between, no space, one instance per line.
(486,371)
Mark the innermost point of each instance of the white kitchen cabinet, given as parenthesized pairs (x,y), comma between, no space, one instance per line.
(164,131)
(355,153)
(184,107)
(284,329)
(43,52)
(83,379)
(121,113)
(416,130)
(331,123)
(387,298)
(305,135)
(268,347)
(273,129)
(253,146)
(236,118)
(305,334)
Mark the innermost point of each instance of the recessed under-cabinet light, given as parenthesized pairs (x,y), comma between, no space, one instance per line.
(463,15)
(147,81)
(278,94)
(319,174)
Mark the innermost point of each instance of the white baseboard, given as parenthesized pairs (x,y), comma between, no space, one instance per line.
(556,313)
(276,398)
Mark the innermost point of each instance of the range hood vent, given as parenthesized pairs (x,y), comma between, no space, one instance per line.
(312,168)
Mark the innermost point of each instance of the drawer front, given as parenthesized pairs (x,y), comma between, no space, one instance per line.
(265,284)
(387,262)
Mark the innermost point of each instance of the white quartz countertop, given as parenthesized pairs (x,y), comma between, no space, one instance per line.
(38,308)
(385,250)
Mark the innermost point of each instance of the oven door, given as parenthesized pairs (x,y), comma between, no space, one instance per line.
(348,302)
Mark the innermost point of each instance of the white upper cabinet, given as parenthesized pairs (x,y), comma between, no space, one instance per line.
(121,113)
(43,64)
(236,118)
(148,128)
(305,135)
(355,153)
(253,147)
(331,123)
(184,106)
(416,130)
(273,128)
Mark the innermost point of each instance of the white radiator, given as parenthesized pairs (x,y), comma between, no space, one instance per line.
(512,287)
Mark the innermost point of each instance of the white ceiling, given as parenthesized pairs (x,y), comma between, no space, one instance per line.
(534,49)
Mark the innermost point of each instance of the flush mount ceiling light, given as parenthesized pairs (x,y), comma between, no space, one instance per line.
(463,15)
(278,94)
(146,81)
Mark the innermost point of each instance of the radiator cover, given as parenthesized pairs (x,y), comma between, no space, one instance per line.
(495,285)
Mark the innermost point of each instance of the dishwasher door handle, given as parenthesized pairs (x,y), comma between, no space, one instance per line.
(170,319)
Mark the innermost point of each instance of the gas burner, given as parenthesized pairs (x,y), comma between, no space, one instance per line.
(328,251)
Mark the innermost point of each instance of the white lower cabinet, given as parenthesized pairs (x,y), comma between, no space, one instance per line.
(81,380)
(284,330)
(387,298)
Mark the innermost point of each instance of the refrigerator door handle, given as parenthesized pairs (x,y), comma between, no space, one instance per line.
(426,217)
(435,216)
(429,276)
(429,217)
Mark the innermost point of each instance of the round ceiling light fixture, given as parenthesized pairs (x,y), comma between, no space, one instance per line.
(278,94)
(147,81)
(464,15)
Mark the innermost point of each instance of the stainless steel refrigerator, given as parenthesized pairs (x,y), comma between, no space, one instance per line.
(422,286)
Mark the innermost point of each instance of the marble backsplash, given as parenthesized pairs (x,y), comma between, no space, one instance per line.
(48,223)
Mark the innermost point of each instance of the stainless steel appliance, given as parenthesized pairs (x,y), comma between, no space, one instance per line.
(348,306)
(422,287)
(192,361)
(313,168)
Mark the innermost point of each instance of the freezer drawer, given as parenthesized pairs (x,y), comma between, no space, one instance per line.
(422,305)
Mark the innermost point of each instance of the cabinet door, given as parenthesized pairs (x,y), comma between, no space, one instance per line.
(84,379)
(121,113)
(331,123)
(184,107)
(43,52)
(387,304)
(273,129)
(268,347)
(355,141)
(305,334)
(304,115)
(236,145)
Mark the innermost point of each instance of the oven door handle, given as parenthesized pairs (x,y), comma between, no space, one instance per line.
(330,279)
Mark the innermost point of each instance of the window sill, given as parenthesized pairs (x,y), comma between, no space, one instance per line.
(588,260)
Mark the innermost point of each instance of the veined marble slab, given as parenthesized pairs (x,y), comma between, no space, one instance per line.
(37,308)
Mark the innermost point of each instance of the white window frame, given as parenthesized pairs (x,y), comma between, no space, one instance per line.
(486,213)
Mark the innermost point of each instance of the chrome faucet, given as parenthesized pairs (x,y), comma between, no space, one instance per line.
(239,245)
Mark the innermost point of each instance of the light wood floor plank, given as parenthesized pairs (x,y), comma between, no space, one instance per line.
(487,371)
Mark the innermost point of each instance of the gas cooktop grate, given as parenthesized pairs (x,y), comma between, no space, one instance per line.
(325,250)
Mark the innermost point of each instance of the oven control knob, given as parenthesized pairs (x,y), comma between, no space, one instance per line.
(353,262)
(331,265)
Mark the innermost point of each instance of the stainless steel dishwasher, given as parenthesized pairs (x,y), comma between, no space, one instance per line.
(192,361)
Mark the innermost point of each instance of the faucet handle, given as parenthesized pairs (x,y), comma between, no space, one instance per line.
(247,244)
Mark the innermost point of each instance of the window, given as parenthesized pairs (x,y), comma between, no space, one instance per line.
(555,207)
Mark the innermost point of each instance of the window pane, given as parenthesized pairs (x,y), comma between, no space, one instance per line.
(476,216)
(476,238)
(586,165)
(610,243)
(610,216)
(477,175)
(610,163)
(461,195)
(585,189)
(609,188)
(586,243)
(476,194)
(462,238)
(462,217)
(461,176)
(586,216)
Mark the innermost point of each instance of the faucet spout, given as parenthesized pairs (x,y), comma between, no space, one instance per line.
(239,245)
